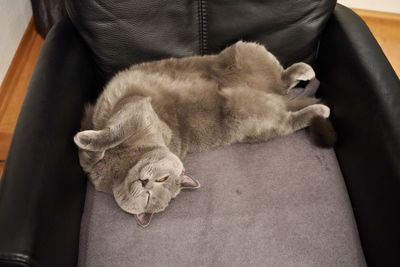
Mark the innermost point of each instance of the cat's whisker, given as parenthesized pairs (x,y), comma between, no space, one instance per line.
(148,199)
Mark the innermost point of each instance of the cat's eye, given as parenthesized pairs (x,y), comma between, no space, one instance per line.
(163,179)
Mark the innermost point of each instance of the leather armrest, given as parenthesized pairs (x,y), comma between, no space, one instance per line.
(43,187)
(363,90)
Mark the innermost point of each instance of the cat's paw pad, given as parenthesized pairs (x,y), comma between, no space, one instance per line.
(321,110)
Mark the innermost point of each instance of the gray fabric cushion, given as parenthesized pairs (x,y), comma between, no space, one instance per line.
(280,203)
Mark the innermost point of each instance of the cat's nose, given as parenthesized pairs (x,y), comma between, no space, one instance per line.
(144,182)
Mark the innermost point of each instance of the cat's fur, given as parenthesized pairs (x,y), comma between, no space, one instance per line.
(151,115)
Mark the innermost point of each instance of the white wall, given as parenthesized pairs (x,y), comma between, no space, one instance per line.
(392,6)
(14,17)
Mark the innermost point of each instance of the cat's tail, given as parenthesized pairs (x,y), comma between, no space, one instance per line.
(322,132)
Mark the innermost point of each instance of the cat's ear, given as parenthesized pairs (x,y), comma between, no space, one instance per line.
(188,182)
(144,219)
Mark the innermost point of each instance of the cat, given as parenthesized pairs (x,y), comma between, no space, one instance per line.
(149,116)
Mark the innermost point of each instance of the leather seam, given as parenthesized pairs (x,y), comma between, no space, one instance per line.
(202,21)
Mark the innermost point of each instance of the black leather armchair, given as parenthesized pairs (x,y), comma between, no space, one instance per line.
(361,86)
(43,188)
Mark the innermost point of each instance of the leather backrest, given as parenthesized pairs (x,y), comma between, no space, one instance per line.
(124,32)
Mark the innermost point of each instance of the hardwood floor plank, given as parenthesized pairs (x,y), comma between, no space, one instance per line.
(5,140)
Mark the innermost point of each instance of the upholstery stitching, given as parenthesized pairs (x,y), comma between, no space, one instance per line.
(202,20)
(204,28)
(199,26)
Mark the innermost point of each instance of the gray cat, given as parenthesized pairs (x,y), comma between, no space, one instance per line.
(152,114)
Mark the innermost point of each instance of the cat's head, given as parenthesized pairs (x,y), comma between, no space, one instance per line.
(151,183)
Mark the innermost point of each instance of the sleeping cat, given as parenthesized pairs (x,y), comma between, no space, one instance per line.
(133,140)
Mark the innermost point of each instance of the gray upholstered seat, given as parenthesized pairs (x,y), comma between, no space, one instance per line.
(280,203)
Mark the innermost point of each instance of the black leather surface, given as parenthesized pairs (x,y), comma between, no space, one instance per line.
(364,91)
(43,187)
(47,13)
(121,33)
(289,29)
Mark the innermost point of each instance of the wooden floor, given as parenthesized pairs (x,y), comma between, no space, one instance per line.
(384,26)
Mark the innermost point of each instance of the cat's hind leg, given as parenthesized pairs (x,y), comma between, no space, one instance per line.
(290,123)
(321,130)
(302,118)
(297,72)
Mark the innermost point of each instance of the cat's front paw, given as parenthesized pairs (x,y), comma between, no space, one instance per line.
(304,72)
(296,73)
(84,139)
(321,110)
